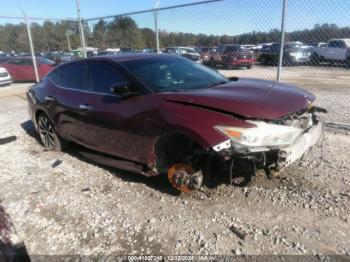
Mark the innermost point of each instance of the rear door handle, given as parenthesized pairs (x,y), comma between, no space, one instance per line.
(85,107)
(49,98)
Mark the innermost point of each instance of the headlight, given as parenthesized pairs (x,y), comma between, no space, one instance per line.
(263,135)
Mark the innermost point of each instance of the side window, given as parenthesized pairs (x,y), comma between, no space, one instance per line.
(71,76)
(101,77)
(341,44)
(332,44)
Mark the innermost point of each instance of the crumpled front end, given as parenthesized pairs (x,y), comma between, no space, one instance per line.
(271,145)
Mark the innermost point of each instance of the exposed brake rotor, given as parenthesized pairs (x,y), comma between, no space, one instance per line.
(181,177)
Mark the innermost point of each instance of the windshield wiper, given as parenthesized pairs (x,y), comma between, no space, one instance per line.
(215,84)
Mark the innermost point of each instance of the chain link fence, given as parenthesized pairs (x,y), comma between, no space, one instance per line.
(238,37)
(306,43)
(52,42)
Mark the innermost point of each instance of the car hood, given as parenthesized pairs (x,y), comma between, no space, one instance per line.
(251,98)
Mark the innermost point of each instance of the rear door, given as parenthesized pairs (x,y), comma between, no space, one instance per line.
(65,93)
(112,123)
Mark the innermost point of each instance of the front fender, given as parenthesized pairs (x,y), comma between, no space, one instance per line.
(195,122)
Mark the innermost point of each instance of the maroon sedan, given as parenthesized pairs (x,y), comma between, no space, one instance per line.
(160,114)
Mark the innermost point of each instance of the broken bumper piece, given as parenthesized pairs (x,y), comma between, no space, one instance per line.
(290,154)
(277,157)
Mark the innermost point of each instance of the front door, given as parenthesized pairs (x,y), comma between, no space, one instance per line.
(112,123)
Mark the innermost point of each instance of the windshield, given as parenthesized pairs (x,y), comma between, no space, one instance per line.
(173,74)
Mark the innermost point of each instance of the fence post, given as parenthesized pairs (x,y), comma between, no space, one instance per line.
(31,47)
(280,60)
(81,29)
(156,28)
(68,42)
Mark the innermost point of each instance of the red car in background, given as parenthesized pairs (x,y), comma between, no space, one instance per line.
(206,53)
(22,69)
(232,56)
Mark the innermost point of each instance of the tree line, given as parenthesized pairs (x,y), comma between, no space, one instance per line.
(124,32)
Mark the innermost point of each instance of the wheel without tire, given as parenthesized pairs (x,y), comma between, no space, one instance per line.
(47,133)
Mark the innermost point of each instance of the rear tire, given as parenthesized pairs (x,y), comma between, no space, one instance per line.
(47,133)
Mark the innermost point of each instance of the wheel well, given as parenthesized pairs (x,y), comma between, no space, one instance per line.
(175,148)
(37,114)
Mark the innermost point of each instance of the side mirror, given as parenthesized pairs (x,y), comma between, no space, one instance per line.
(123,90)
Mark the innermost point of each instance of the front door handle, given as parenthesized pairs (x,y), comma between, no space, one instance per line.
(85,107)
(49,98)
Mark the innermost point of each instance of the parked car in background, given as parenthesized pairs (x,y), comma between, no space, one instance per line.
(66,57)
(335,51)
(107,52)
(232,56)
(60,57)
(37,54)
(158,114)
(206,53)
(319,44)
(126,50)
(293,54)
(5,77)
(187,52)
(148,50)
(22,69)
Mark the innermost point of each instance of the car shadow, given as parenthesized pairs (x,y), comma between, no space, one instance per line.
(29,128)
(159,183)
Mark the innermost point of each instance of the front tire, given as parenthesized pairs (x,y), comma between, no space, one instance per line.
(48,136)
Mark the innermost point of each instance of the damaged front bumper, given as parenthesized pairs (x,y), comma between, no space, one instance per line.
(290,154)
(272,158)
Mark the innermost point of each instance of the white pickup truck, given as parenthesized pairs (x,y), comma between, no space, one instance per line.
(336,50)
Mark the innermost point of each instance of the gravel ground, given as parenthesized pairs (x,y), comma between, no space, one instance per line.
(62,204)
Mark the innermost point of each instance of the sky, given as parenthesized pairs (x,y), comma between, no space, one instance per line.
(230,17)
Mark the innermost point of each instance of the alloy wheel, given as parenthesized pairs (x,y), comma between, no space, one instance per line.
(46,132)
